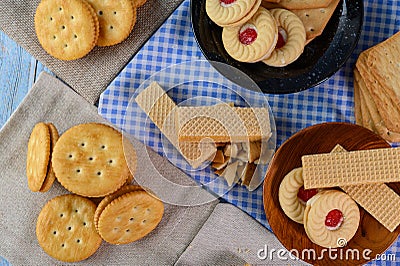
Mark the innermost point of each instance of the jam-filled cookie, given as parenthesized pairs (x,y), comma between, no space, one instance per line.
(253,41)
(331,219)
(230,12)
(291,38)
(293,196)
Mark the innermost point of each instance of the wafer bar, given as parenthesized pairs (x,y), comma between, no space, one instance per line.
(223,123)
(161,109)
(351,168)
(379,200)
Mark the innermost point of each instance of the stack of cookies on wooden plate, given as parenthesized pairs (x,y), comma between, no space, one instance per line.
(377,89)
(69,30)
(89,160)
(325,192)
(272,33)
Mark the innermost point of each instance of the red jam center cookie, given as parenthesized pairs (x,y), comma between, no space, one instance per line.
(282,38)
(248,34)
(305,194)
(334,219)
(226,2)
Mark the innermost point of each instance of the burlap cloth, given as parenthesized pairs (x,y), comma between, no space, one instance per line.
(187,235)
(90,75)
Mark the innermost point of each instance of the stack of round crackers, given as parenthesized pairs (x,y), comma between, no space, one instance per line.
(69,30)
(89,161)
(272,33)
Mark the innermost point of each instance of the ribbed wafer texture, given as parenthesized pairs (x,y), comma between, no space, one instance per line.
(161,109)
(351,168)
(377,199)
(223,123)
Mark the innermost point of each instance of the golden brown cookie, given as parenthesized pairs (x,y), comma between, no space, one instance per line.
(138,3)
(292,47)
(246,17)
(130,217)
(67,30)
(50,176)
(107,200)
(228,12)
(331,218)
(89,160)
(252,41)
(293,197)
(116,19)
(38,156)
(65,228)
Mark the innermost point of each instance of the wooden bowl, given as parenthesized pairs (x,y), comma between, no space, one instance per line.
(322,138)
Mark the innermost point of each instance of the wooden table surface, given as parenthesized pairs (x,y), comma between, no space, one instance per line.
(19,70)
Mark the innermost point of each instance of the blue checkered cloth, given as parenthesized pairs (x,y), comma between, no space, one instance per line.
(174,43)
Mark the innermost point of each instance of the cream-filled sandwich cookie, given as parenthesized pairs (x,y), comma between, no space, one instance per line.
(291,38)
(253,41)
(331,219)
(293,196)
(229,12)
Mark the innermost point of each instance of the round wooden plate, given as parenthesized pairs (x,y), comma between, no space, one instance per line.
(322,138)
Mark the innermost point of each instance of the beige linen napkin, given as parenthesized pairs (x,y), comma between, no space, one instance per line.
(50,100)
(90,75)
(231,237)
(205,234)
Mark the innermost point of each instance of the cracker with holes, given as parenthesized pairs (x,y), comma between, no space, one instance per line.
(116,18)
(67,30)
(50,176)
(106,200)
(88,160)
(316,19)
(65,228)
(129,217)
(138,3)
(38,156)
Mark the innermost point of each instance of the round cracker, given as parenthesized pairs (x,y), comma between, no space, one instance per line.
(108,199)
(138,3)
(65,228)
(130,217)
(116,20)
(50,176)
(38,156)
(88,160)
(67,30)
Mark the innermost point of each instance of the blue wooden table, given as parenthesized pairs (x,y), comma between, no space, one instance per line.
(18,71)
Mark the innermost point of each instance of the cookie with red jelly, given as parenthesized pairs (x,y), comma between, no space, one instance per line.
(252,41)
(226,13)
(293,196)
(291,39)
(331,219)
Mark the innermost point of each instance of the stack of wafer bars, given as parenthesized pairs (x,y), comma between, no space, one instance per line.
(377,89)
(315,15)
(234,139)
(363,176)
